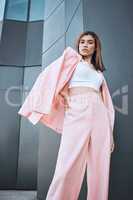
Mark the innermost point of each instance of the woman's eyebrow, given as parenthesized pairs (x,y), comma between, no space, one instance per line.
(87,40)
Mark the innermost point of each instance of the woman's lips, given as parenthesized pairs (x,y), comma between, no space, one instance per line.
(85,49)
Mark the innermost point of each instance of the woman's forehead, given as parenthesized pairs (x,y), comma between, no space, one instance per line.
(87,37)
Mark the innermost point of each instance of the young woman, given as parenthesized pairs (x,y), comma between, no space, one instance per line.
(86,139)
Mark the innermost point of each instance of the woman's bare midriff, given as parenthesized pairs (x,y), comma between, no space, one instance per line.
(80,90)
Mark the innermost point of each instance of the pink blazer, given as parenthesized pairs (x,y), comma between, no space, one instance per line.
(44,103)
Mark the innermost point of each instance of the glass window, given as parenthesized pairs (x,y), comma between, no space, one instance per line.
(2,7)
(36,10)
(17,10)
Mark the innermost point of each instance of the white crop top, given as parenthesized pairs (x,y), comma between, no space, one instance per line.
(86,75)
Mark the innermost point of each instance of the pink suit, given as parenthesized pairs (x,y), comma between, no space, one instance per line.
(77,125)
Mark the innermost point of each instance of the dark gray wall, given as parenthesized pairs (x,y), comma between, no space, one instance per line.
(20,64)
(28,139)
(13,41)
(9,124)
(33,51)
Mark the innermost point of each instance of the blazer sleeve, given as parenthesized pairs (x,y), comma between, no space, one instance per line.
(40,98)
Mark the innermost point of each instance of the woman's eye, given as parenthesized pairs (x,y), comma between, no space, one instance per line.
(88,42)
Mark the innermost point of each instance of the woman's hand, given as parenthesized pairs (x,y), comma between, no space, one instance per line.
(66,104)
(112,144)
(112,147)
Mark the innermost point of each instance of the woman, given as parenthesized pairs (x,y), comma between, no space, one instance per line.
(71,96)
(86,139)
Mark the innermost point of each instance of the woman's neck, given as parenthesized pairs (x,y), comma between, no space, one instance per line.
(87,60)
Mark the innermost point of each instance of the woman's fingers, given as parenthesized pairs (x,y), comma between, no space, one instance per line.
(66,104)
(112,148)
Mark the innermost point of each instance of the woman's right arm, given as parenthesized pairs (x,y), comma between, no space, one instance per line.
(64,94)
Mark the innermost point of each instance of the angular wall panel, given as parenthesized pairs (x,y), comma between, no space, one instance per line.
(54,27)
(70,10)
(9,138)
(10,77)
(12,45)
(50,7)
(54,52)
(75,27)
(28,156)
(33,51)
(30,76)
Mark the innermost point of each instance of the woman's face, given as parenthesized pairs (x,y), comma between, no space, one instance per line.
(86,45)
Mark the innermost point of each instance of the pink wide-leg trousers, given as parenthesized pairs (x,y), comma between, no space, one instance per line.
(85,142)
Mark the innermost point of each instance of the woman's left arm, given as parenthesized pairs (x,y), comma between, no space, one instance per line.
(107,100)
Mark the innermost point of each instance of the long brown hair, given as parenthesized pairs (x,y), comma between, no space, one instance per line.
(96,57)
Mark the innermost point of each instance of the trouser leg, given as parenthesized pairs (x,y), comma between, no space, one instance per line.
(73,151)
(98,162)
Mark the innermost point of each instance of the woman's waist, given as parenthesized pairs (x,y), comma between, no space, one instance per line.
(83,95)
(81,90)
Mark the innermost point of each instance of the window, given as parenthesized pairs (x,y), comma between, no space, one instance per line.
(2,7)
(36,10)
(17,10)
